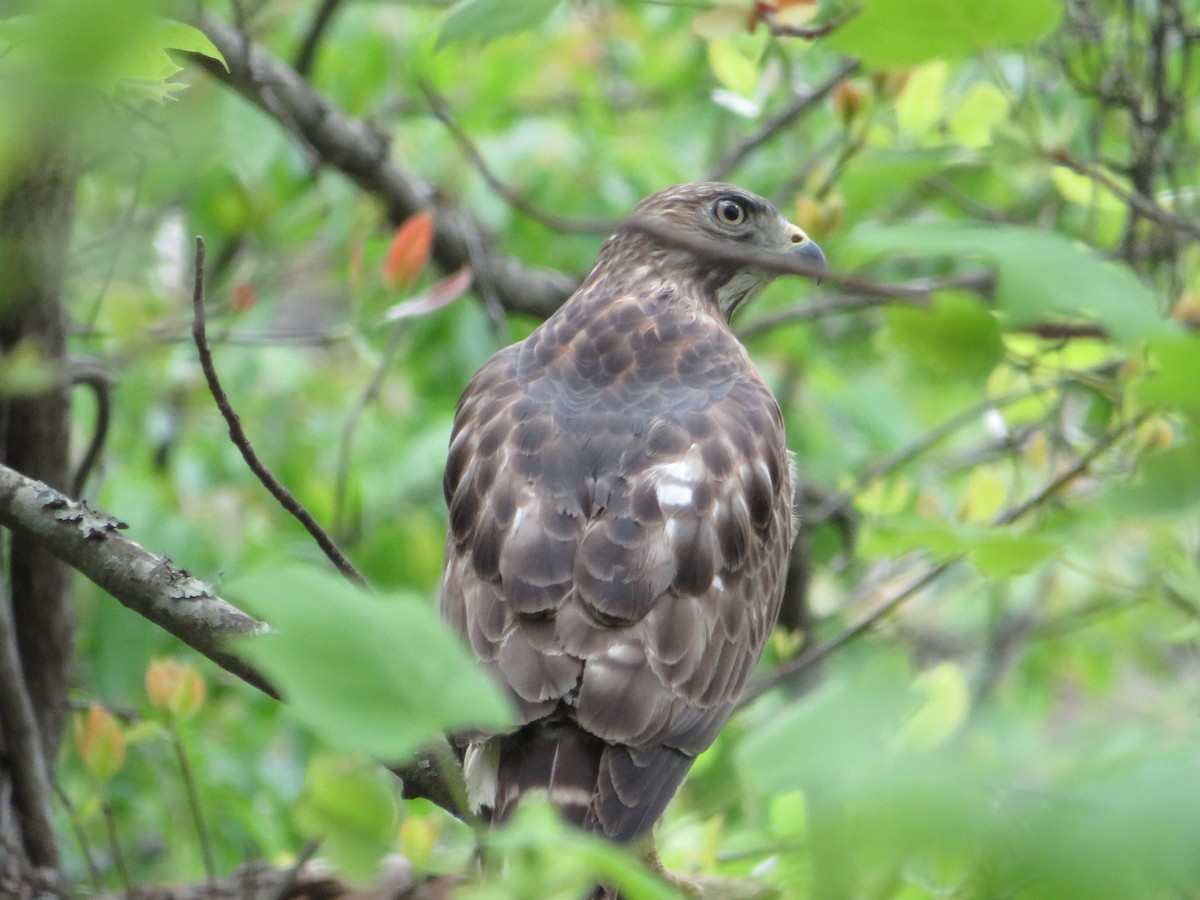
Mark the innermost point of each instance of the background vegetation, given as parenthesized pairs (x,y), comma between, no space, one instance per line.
(987,682)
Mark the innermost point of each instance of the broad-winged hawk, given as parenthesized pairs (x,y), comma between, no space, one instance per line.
(620,502)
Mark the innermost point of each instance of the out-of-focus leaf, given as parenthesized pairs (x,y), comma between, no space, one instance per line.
(409,250)
(351,808)
(1175,378)
(100,742)
(734,68)
(486,20)
(996,552)
(920,106)
(981,109)
(898,33)
(1167,482)
(376,675)
(1002,553)
(947,702)
(724,21)
(954,337)
(1040,274)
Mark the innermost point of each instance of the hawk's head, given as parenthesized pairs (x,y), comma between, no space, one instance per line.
(705,234)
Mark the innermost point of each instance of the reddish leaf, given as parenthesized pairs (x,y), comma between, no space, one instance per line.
(243,296)
(409,251)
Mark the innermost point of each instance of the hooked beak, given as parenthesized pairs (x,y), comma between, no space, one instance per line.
(806,250)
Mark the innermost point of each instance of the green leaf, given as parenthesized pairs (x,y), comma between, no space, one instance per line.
(1039,274)
(351,807)
(486,20)
(1002,553)
(995,552)
(380,675)
(736,70)
(900,33)
(1167,482)
(947,702)
(984,107)
(955,337)
(1175,378)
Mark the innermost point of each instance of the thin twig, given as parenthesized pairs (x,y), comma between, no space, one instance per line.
(238,435)
(441,111)
(85,846)
(816,654)
(807,32)
(799,105)
(289,880)
(193,795)
(307,54)
(114,842)
(1144,206)
(345,444)
(100,383)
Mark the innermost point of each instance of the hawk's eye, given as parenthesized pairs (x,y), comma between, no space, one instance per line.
(730,212)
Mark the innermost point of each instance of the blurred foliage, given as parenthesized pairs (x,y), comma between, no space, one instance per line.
(1025,726)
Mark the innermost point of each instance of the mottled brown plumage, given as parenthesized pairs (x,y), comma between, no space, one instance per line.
(620,502)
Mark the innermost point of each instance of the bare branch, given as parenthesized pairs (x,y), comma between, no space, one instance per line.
(237,434)
(441,111)
(307,54)
(360,153)
(1144,206)
(152,586)
(799,105)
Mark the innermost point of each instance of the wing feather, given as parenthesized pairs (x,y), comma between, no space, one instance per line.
(618,540)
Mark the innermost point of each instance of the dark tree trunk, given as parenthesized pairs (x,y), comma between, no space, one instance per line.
(36,208)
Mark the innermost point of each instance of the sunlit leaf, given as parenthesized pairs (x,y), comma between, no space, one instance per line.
(1174,379)
(734,68)
(947,702)
(895,33)
(983,107)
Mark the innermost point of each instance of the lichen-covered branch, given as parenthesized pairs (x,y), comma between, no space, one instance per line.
(152,586)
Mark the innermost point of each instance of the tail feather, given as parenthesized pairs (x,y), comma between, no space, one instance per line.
(612,790)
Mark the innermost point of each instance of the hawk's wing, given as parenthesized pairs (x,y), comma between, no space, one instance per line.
(620,515)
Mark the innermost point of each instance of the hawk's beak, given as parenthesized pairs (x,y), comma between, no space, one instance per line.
(806,250)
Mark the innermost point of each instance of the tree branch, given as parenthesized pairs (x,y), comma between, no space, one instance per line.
(360,153)
(156,589)
(150,585)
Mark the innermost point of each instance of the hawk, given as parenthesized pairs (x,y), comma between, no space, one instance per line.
(620,499)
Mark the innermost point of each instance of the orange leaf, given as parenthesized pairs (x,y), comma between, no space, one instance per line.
(100,742)
(243,296)
(409,251)
(175,688)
